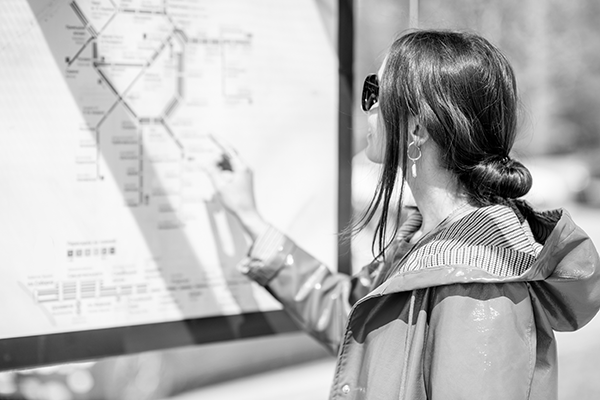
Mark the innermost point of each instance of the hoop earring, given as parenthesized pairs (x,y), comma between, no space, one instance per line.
(413,168)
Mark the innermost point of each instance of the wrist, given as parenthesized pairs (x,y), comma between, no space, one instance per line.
(253,224)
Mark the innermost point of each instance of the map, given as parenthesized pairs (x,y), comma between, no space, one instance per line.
(110,108)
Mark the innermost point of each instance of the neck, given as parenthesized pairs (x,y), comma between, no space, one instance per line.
(437,196)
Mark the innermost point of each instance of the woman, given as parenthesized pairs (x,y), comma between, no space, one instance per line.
(462,301)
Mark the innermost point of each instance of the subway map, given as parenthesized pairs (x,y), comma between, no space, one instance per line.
(111,108)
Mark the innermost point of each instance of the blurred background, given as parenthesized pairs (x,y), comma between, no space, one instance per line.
(554,47)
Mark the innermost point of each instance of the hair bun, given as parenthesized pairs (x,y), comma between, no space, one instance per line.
(500,177)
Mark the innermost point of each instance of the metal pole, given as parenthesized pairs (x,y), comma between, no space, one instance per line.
(346,78)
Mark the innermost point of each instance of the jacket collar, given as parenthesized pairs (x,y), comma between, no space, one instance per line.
(564,276)
(490,244)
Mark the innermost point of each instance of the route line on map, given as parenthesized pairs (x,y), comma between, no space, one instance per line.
(100,64)
(134,11)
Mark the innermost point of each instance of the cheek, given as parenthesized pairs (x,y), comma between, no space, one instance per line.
(375,150)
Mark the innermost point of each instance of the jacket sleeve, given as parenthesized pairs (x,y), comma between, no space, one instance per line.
(567,276)
(481,342)
(317,298)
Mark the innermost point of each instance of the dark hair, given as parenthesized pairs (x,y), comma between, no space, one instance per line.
(463,91)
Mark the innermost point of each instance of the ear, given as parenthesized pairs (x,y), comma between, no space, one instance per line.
(417,132)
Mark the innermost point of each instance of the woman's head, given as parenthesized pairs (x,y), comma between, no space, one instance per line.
(462,90)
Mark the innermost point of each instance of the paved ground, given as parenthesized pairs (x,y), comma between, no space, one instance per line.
(309,381)
(579,356)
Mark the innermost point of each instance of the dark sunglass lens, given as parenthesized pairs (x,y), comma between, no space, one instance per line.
(370,92)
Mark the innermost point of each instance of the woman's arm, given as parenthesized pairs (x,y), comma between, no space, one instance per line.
(317,298)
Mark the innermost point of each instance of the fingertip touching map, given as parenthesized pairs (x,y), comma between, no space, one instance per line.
(109,108)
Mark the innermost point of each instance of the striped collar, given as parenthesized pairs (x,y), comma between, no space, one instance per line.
(490,238)
(489,243)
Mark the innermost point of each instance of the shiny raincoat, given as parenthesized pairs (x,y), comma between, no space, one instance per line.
(467,313)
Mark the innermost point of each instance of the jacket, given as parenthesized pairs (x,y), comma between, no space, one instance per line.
(468,313)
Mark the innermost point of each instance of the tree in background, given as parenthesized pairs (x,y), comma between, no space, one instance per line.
(553,45)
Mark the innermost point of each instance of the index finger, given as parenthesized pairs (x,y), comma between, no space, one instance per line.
(231,159)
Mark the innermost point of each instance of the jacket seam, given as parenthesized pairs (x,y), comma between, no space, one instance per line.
(532,349)
(407,344)
(342,358)
(425,379)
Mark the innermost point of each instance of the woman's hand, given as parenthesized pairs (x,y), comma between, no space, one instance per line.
(234,185)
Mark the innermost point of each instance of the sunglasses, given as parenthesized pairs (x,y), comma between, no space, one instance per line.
(370,92)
